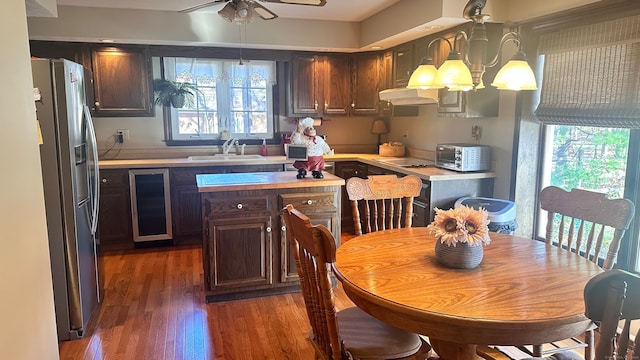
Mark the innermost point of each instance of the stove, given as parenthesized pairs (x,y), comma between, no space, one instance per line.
(407,162)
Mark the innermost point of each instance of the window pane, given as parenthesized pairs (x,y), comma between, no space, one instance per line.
(589,158)
(230,97)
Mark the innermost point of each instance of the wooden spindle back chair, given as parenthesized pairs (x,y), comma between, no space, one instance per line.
(350,333)
(386,201)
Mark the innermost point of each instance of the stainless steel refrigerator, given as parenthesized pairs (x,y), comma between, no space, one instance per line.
(69,161)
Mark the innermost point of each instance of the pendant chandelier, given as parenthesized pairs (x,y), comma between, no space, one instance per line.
(463,72)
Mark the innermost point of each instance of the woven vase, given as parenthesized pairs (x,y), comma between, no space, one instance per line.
(461,256)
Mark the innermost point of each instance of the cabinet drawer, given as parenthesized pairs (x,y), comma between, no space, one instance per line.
(114,178)
(310,202)
(235,206)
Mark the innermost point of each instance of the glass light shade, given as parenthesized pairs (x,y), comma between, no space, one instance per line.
(466,88)
(515,75)
(454,74)
(423,78)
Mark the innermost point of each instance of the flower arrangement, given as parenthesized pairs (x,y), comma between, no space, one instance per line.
(461,225)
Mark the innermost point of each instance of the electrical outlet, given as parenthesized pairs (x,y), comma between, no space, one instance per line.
(122,133)
(406,134)
(476,132)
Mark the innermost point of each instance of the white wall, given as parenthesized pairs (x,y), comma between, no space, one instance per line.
(27,328)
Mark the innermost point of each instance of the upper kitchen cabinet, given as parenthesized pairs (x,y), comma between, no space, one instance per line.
(366,82)
(403,64)
(320,85)
(122,81)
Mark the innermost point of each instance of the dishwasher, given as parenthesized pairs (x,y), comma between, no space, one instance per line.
(150,204)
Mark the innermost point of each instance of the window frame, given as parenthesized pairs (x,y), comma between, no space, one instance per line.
(273,98)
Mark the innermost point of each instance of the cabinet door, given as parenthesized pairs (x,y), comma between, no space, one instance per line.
(122,81)
(186,208)
(288,267)
(304,92)
(402,65)
(336,85)
(114,219)
(366,83)
(240,252)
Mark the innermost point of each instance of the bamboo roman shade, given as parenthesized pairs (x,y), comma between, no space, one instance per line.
(591,75)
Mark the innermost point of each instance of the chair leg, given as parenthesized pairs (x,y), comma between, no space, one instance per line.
(589,339)
(537,350)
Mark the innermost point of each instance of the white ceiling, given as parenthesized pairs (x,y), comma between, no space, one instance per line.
(339,10)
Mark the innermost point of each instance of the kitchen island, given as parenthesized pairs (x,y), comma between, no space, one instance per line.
(245,248)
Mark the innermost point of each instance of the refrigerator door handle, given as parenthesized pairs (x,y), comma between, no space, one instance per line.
(91,140)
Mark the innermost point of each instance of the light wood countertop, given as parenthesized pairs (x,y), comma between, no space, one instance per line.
(262,181)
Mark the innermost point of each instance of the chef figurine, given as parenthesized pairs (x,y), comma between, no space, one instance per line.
(305,134)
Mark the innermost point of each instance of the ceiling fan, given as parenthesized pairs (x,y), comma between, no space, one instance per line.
(243,11)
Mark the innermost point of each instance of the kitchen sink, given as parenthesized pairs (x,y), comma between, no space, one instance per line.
(225,157)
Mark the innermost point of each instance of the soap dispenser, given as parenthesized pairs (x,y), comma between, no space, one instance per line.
(263,151)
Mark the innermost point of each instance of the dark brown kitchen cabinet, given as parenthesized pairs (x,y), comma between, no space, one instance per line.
(122,78)
(320,85)
(403,65)
(367,76)
(186,209)
(114,218)
(321,208)
(186,212)
(347,170)
(122,81)
(241,250)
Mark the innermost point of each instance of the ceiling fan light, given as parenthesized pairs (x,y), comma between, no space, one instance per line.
(515,75)
(228,12)
(454,74)
(423,77)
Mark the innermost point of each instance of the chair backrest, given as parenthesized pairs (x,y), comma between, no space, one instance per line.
(583,219)
(314,250)
(609,298)
(382,199)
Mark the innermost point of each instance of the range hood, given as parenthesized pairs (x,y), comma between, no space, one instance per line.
(404,96)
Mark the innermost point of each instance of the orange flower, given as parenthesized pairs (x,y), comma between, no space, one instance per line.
(463,224)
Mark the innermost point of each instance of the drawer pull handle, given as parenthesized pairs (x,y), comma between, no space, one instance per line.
(309,202)
(239,206)
(104,180)
(268,229)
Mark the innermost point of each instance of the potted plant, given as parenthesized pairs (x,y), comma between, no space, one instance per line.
(174,93)
(460,235)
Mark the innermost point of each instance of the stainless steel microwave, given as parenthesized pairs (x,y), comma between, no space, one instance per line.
(463,157)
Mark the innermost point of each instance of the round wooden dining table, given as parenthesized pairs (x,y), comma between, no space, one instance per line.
(523,291)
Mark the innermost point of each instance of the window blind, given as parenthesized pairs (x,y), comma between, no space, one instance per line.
(591,75)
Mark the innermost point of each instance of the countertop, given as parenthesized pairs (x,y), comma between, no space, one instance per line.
(261,181)
(428,173)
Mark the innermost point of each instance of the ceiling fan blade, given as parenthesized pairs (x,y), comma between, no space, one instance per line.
(202,6)
(299,2)
(263,12)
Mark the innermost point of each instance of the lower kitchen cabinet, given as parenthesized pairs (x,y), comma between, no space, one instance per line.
(186,208)
(240,253)
(347,170)
(245,247)
(321,210)
(114,218)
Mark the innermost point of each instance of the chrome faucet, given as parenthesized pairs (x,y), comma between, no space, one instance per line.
(228,144)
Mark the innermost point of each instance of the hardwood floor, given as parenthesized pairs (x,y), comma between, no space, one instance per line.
(154,309)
